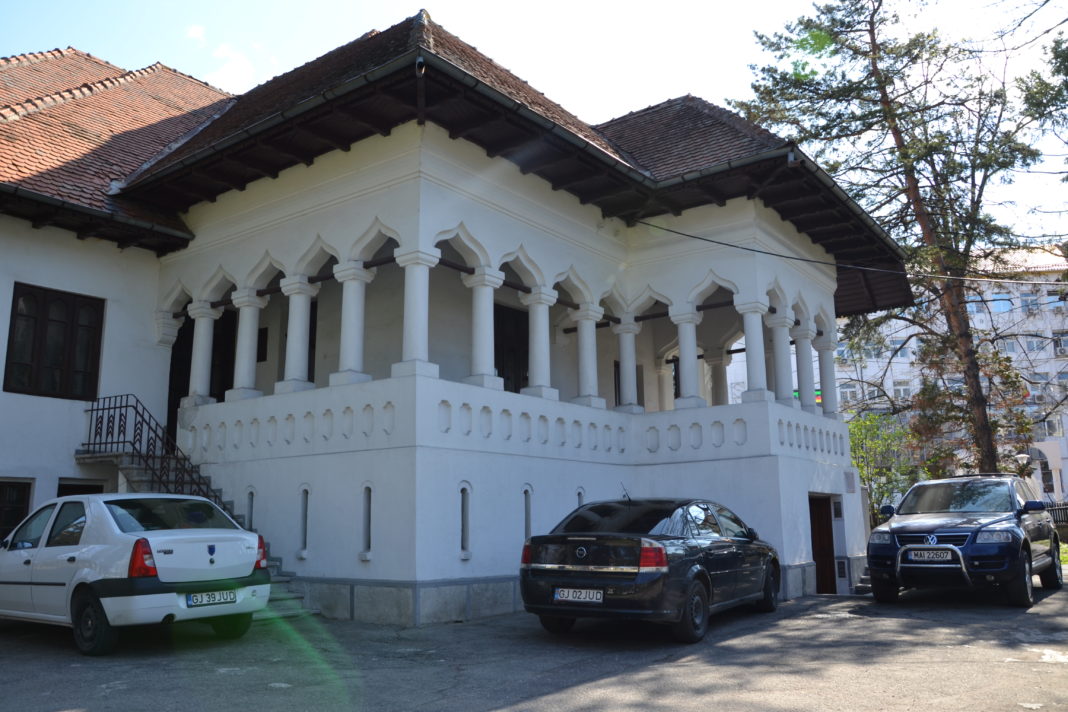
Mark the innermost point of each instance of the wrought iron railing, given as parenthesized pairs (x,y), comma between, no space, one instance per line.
(1059,512)
(122,425)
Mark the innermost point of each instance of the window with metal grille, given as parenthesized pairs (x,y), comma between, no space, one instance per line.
(53,346)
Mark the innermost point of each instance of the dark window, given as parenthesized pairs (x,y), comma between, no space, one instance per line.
(14,505)
(28,536)
(732,525)
(704,521)
(151,514)
(261,345)
(53,347)
(625,518)
(67,530)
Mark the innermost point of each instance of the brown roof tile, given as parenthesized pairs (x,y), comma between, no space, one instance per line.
(74,144)
(686,134)
(36,74)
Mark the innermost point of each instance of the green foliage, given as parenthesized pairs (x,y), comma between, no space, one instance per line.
(882,450)
(917,130)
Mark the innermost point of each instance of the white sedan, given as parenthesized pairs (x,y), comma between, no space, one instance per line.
(95,562)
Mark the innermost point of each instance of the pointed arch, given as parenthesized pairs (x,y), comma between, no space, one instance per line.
(263,272)
(710,284)
(175,298)
(524,266)
(317,255)
(645,299)
(216,286)
(471,250)
(801,311)
(575,286)
(372,239)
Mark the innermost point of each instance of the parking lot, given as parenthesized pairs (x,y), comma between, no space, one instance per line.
(939,651)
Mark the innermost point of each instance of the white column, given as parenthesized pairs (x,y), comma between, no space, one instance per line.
(720,387)
(415,346)
(665,378)
(248,326)
(538,302)
(586,318)
(780,324)
(689,388)
(298,333)
(482,283)
(806,384)
(826,347)
(354,280)
(626,331)
(753,325)
(203,316)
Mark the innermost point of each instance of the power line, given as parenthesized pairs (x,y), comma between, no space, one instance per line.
(848,266)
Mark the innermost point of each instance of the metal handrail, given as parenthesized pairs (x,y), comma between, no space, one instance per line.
(123,425)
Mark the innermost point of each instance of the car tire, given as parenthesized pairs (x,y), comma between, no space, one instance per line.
(1020,590)
(93,634)
(232,627)
(557,625)
(770,601)
(885,591)
(1053,576)
(693,624)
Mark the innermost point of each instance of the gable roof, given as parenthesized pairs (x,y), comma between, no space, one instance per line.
(667,158)
(61,151)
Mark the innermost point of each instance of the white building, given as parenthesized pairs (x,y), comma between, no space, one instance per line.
(368,297)
(1024,317)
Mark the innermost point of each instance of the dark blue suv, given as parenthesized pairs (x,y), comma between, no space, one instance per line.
(977,530)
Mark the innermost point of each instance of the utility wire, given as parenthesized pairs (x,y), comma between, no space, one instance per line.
(847,266)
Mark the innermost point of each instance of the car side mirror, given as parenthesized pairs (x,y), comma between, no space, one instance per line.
(3,545)
(1033,505)
(751,533)
(887,510)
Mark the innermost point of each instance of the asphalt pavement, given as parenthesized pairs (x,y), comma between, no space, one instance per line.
(932,651)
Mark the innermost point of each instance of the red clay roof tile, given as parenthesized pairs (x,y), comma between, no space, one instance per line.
(36,74)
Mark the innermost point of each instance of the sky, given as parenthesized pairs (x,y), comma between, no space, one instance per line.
(599,59)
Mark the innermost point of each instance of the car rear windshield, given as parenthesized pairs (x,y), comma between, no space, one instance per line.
(964,496)
(153,514)
(624,518)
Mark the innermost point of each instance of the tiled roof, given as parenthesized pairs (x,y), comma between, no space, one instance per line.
(75,142)
(28,76)
(686,134)
(361,56)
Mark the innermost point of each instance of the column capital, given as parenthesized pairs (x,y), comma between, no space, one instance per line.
(353,270)
(588,311)
(539,295)
(247,298)
(298,284)
(427,258)
(167,327)
(779,321)
(203,310)
(825,343)
(751,307)
(626,325)
(685,314)
(484,277)
(804,331)
(714,359)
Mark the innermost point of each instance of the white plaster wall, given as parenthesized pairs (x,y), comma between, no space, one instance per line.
(38,435)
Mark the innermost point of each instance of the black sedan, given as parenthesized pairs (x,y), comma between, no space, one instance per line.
(671,561)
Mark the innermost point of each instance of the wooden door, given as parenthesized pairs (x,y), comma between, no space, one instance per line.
(819,513)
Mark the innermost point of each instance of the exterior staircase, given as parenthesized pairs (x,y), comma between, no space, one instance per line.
(123,433)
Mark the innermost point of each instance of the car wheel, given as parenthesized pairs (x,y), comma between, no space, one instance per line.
(770,601)
(693,624)
(232,627)
(885,591)
(1053,577)
(1021,589)
(93,634)
(556,625)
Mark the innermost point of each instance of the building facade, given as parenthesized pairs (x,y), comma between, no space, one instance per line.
(403,312)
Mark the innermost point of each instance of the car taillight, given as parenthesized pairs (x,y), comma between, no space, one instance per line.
(653,556)
(524,559)
(261,554)
(141,561)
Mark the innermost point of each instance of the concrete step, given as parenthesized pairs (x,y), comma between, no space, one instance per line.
(284,604)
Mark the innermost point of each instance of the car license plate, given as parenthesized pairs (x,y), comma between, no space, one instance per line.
(578,595)
(211,598)
(931,555)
